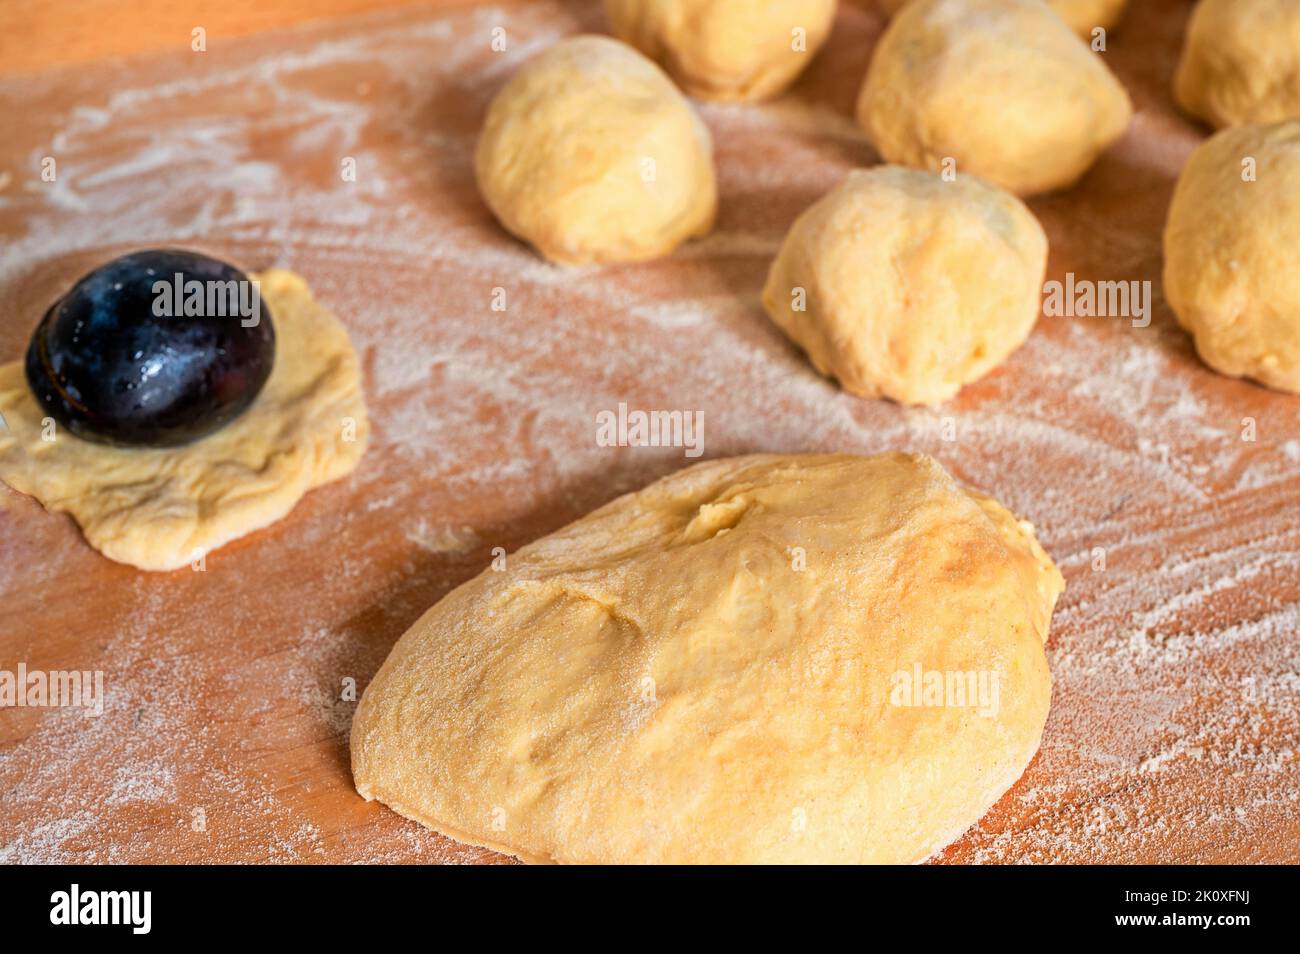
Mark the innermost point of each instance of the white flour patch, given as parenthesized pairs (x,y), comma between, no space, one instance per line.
(442,539)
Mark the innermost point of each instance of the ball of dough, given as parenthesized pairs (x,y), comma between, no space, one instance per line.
(592,155)
(901,284)
(723,668)
(1230,253)
(1083,16)
(738,50)
(1241,62)
(1000,86)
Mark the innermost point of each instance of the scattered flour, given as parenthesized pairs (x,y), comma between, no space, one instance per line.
(1174,649)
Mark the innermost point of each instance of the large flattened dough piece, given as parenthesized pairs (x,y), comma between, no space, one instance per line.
(159,509)
(707,671)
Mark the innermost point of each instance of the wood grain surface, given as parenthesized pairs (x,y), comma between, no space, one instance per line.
(37,35)
(1167,494)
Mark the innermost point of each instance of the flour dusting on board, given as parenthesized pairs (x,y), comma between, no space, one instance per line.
(229,692)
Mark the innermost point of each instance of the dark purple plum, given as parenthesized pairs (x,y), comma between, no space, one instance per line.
(136,356)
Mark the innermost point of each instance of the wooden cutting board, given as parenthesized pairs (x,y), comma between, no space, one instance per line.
(1175,653)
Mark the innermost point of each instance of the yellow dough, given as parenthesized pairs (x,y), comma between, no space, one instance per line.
(1083,16)
(592,155)
(1002,87)
(729,50)
(1230,253)
(1241,62)
(902,284)
(160,509)
(709,670)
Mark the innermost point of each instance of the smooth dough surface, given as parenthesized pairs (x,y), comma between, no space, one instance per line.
(1082,16)
(157,509)
(592,155)
(910,285)
(1230,253)
(705,671)
(1003,87)
(1241,62)
(735,50)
